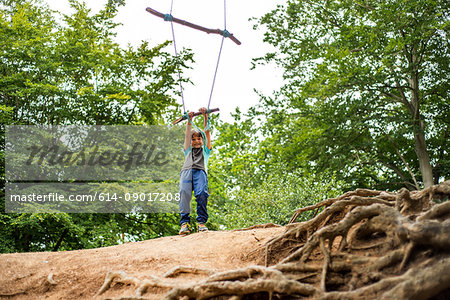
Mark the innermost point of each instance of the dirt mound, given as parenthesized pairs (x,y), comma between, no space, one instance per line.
(365,244)
(80,274)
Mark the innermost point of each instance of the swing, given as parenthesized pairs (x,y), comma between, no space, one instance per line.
(224,33)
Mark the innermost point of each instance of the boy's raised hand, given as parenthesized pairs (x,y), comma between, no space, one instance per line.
(191,117)
(203,110)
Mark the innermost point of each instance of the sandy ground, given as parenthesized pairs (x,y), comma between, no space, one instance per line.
(80,274)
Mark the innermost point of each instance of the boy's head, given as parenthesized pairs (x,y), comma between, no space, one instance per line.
(196,140)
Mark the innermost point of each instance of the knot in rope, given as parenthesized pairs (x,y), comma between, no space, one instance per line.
(168,17)
(226,33)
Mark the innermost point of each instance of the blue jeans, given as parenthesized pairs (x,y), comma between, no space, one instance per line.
(193,180)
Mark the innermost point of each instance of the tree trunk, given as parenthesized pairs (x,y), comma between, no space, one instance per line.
(420,145)
(424,159)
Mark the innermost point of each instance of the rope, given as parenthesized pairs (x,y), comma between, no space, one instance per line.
(178,65)
(196,128)
(225,14)
(215,73)
(225,34)
(169,17)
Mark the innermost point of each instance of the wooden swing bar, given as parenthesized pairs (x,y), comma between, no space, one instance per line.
(194,26)
(195,114)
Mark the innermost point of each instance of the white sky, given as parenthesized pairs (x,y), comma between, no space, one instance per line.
(235,82)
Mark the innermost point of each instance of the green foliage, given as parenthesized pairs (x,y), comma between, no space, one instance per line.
(365,99)
(67,69)
(277,198)
(233,163)
(371,80)
(234,160)
(61,231)
(74,71)
(250,185)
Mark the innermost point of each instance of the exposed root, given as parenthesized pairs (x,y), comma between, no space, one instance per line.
(436,212)
(364,244)
(340,229)
(142,285)
(123,277)
(326,262)
(257,226)
(184,269)
(128,298)
(10,295)
(207,290)
(328,202)
(434,279)
(302,231)
(388,260)
(406,256)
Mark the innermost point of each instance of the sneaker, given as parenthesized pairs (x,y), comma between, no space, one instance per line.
(185,229)
(201,227)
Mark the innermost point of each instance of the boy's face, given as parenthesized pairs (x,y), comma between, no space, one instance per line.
(197,141)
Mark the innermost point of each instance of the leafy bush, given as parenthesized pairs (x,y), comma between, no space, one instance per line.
(275,200)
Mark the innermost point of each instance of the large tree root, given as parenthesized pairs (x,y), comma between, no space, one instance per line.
(302,231)
(365,244)
(433,279)
(142,285)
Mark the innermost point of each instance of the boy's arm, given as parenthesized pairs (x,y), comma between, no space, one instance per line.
(205,122)
(188,132)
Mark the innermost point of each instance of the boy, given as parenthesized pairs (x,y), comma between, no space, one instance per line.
(197,148)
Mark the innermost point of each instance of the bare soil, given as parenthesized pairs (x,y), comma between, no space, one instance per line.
(80,274)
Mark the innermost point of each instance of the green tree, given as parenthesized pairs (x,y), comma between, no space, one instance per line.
(233,164)
(249,185)
(371,79)
(74,72)
(67,69)
(276,199)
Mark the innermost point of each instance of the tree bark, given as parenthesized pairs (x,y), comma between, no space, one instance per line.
(424,159)
(420,145)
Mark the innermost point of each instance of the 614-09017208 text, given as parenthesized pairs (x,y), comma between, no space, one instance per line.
(102,197)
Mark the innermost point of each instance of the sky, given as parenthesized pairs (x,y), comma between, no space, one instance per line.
(235,82)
